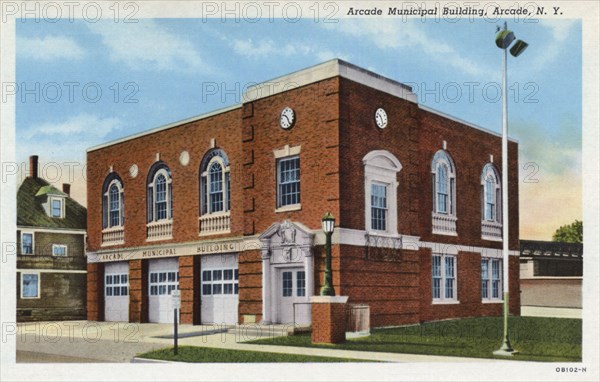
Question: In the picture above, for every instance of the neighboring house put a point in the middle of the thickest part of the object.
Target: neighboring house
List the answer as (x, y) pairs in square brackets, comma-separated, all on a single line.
[(227, 208), (51, 265), (551, 278)]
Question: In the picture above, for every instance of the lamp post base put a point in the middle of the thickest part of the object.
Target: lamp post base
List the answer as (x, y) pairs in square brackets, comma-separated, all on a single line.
[(506, 350)]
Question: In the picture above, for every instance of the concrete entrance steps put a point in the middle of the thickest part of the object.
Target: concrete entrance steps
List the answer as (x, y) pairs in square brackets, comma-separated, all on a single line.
[(249, 332)]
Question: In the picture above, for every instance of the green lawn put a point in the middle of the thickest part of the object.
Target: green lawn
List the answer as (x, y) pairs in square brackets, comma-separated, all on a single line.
[(536, 339), (212, 355)]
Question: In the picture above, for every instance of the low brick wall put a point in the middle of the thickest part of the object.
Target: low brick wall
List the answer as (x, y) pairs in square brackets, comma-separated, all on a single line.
[(328, 319), (557, 292)]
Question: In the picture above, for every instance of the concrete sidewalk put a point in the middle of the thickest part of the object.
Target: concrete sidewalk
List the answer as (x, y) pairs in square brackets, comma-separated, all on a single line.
[(121, 342)]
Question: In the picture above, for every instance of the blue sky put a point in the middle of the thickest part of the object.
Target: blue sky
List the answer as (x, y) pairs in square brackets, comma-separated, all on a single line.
[(166, 66)]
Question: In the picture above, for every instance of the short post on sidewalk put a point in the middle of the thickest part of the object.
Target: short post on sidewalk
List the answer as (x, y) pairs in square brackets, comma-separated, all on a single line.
[(176, 302)]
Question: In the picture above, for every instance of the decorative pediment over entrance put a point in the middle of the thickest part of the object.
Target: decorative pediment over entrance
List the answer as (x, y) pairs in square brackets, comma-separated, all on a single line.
[(286, 242)]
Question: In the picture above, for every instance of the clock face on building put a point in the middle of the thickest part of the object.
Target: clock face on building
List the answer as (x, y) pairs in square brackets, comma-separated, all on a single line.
[(381, 118), (287, 118)]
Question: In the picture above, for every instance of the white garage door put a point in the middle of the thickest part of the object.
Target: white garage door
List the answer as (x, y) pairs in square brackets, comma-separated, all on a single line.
[(116, 292), (163, 276), (219, 289)]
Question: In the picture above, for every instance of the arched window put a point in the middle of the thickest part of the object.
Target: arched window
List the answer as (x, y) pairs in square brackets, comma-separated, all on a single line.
[(444, 176), (159, 195), (112, 202), (443, 180), (491, 199), (214, 183), (381, 185)]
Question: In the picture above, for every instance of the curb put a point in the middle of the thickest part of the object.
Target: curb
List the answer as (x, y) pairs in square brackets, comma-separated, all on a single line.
[(149, 360)]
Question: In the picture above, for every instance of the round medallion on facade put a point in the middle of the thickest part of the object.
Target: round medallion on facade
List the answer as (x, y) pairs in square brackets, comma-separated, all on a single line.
[(133, 170), (287, 118), (381, 118), (184, 158)]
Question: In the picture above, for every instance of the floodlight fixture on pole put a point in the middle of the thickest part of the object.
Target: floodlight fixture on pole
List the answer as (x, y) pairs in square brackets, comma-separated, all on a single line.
[(504, 39), (328, 224)]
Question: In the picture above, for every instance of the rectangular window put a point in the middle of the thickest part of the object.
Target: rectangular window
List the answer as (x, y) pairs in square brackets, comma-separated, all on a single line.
[(443, 278), (56, 208), (163, 283), (485, 280), (378, 207), (491, 282), (116, 284), (59, 250), (219, 281), (30, 285), (300, 284), (26, 243), (288, 181), (286, 278)]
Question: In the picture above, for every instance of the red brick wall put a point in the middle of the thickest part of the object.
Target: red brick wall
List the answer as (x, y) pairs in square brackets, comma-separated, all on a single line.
[(390, 288), (328, 323), (138, 290), (95, 292), (359, 136), (316, 130), (187, 285), (470, 149), (193, 137), (414, 135), (250, 284)]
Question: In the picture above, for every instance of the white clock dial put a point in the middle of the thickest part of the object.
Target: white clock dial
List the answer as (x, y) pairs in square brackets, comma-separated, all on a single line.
[(287, 118), (381, 118)]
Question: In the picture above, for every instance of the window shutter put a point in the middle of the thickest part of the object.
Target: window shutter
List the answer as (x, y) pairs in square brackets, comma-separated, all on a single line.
[(227, 192), (203, 192), (122, 209), (150, 205), (170, 200), (482, 202), (104, 211)]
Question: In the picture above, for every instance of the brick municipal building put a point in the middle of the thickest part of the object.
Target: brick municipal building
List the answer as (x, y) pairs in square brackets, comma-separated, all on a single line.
[(227, 208)]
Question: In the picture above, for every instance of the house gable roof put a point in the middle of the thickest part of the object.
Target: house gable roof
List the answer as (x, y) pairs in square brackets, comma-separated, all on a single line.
[(30, 212)]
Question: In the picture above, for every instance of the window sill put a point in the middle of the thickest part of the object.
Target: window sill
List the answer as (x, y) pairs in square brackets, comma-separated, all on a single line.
[(490, 301), (445, 302), (292, 207), (110, 243), (444, 233), (491, 238), (159, 238)]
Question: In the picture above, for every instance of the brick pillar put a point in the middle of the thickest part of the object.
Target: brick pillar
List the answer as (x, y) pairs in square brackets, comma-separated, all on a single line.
[(328, 319), (138, 291), (95, 291), (186, 285)]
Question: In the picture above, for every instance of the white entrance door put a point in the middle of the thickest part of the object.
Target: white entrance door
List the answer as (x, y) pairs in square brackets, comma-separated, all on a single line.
[(291, 285), (116, 292), (163, 279), (219, 289)]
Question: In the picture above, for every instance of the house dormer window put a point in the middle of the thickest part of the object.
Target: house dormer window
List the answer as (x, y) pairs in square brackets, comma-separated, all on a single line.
[(57, 207)]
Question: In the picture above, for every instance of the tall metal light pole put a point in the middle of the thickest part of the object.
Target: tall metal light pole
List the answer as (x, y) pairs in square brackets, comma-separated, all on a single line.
[(504, 38), (328, 223)]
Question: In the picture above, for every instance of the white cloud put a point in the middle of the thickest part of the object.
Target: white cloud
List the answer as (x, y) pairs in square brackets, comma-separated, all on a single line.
[(82, 125), (147, 45), (267, 47), (388, 34), (560, 30), (49, 48)]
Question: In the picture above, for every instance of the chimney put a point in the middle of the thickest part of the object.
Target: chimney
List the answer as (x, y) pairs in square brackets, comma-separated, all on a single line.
[(67, 189), (33, 166)]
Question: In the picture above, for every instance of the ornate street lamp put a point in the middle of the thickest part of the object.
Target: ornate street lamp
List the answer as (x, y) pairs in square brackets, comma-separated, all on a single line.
[(328, 223), (504, 38)]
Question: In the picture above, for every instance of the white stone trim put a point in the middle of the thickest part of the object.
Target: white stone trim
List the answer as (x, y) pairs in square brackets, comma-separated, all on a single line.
[(51, 271), (53, 230), (291, 207), (287, 151), (329, 299), (323, 71)]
